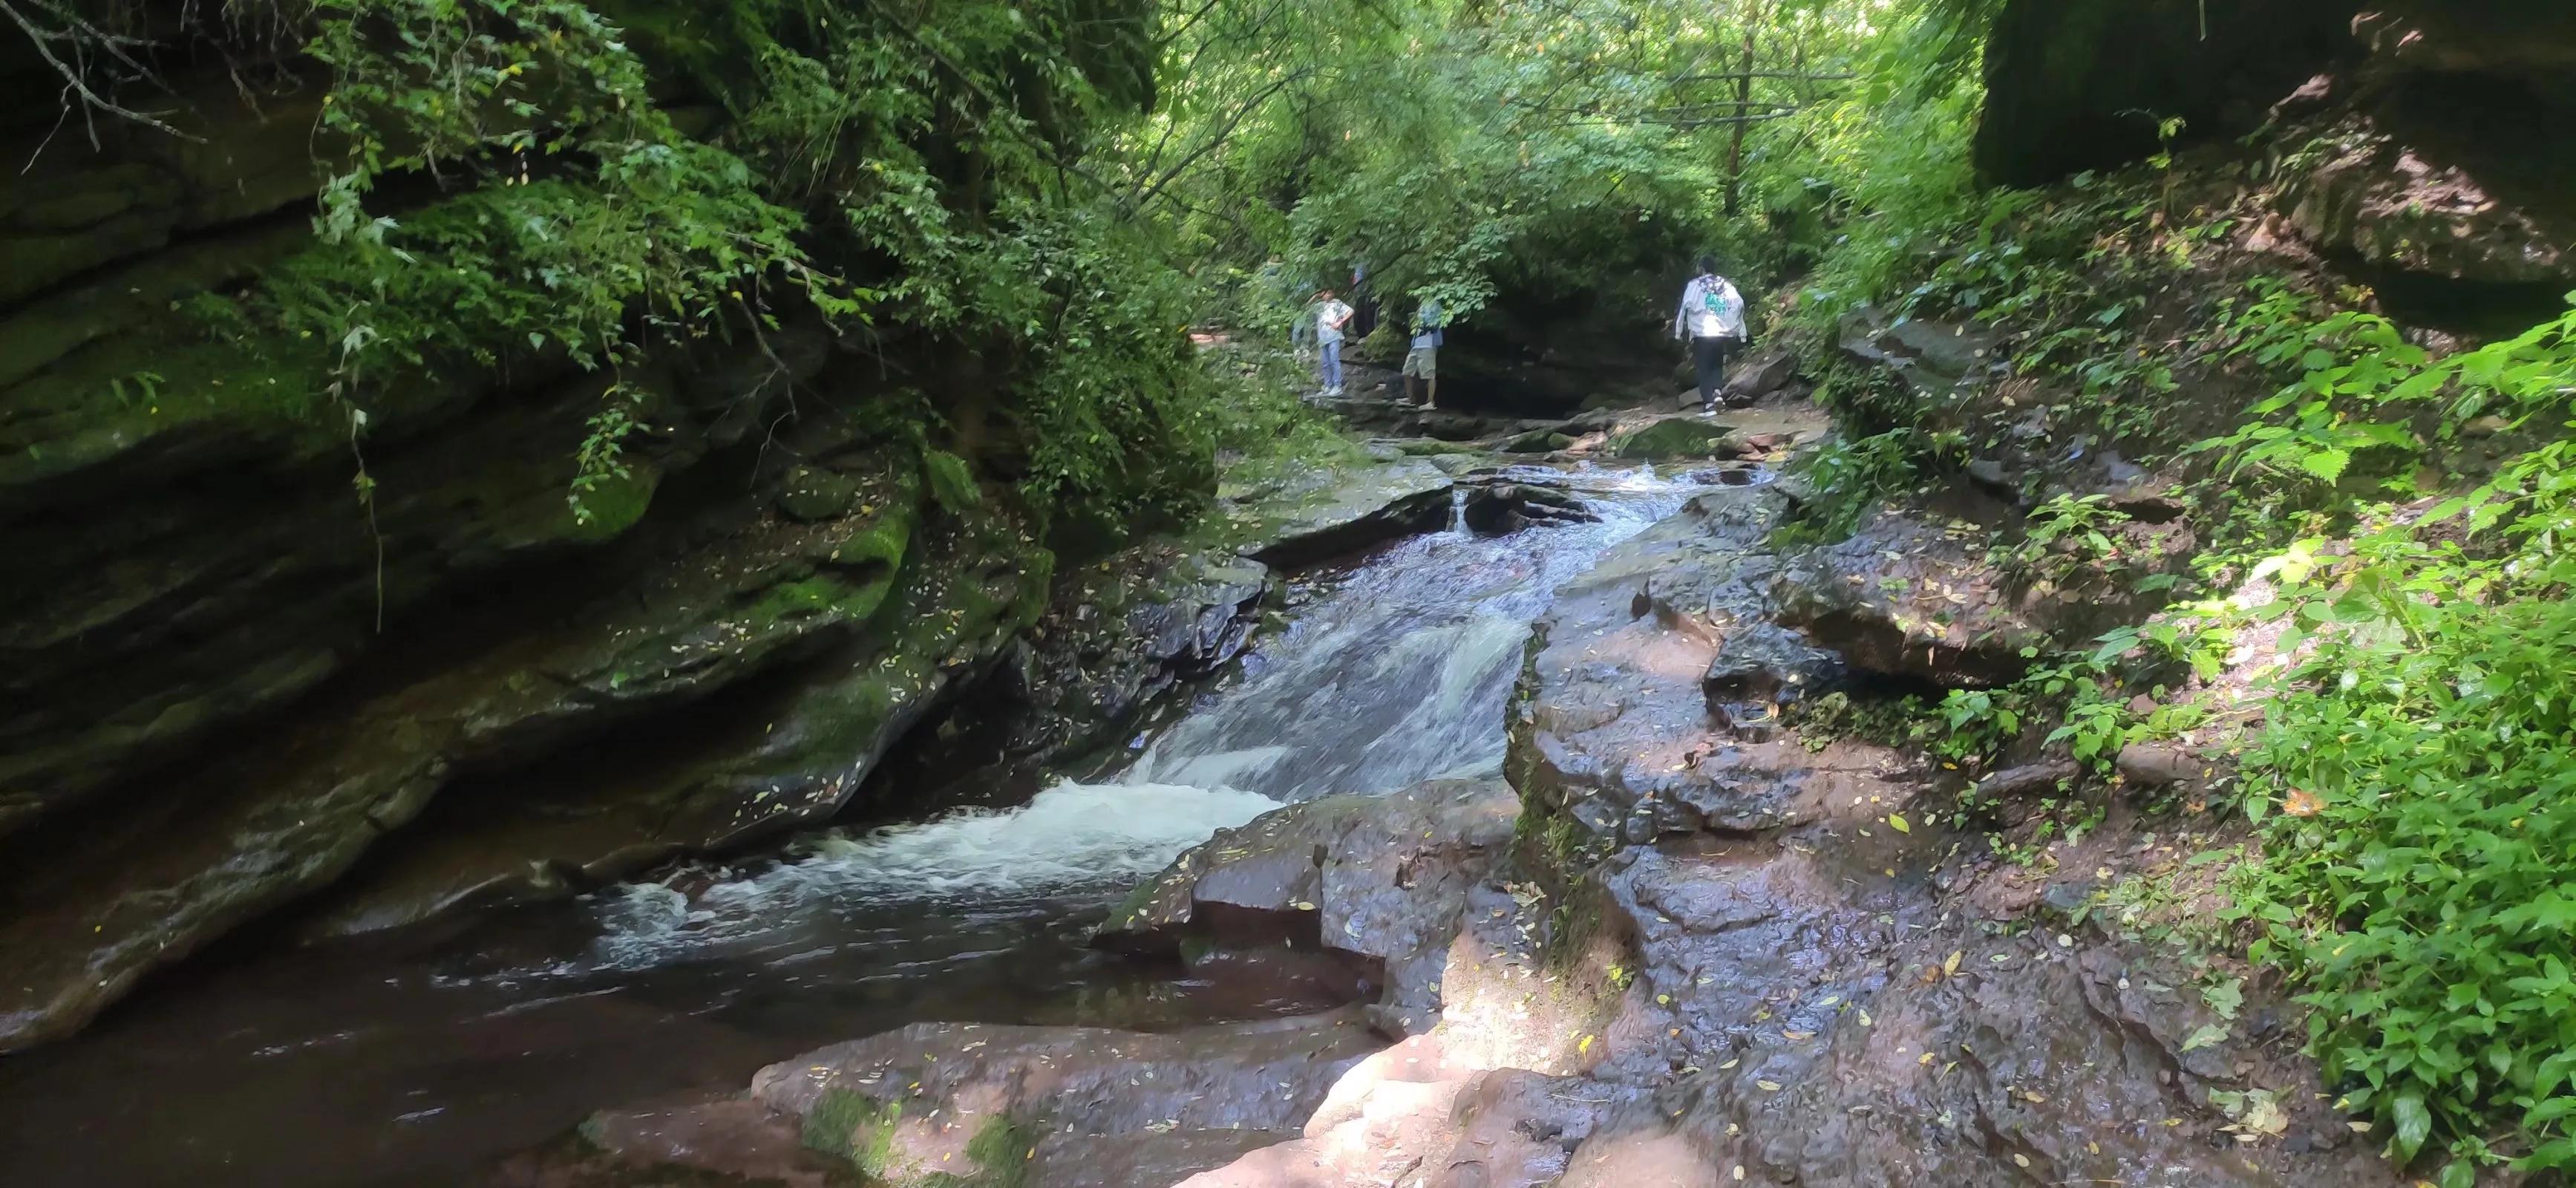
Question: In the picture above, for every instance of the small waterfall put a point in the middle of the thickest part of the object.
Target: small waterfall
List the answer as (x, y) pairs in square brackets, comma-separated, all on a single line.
[(1401, 672), (1458, 509), (1071, 835), (1392, 672)]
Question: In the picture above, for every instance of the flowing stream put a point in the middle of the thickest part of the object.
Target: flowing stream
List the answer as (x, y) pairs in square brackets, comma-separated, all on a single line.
[(412, 1061)]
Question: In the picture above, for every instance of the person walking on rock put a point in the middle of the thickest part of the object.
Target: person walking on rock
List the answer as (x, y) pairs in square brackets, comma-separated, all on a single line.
[(1712, 315), (1422, 359), (1330, 316)]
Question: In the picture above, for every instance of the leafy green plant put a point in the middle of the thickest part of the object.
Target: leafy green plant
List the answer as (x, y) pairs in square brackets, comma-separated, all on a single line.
[(2413, 768), (1850, 475), (2066, 534), (595, 207), (601, 458)]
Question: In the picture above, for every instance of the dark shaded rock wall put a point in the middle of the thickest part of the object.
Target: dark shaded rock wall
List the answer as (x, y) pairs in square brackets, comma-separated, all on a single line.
[(226, 678), (2081, 84)]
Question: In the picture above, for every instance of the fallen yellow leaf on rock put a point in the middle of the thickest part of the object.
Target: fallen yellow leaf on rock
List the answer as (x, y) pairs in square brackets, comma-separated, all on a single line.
[(1767, 1086)]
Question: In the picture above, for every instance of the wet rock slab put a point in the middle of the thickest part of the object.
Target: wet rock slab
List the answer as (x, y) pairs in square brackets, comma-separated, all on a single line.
[(2029, 1064), (1119, 636), (1613, 727), (1801, 999), (1333, 511), (1046, 1107), (1380, 880), (1497, 1093), (1911, 593)]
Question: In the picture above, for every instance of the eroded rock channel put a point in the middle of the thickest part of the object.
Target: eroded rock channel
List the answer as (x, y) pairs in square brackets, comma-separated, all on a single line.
[(1639, 930), (419, 1054)]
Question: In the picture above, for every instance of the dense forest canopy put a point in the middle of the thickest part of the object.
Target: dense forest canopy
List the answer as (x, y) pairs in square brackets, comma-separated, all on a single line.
[(1012, 213), (1035, 197)]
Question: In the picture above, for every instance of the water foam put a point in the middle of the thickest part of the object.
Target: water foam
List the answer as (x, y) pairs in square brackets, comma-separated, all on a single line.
[(1070, 838), (1070, 834)]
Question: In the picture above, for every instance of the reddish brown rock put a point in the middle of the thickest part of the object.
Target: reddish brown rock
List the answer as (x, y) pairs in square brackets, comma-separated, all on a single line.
[(1912, 594), (1379, 879)]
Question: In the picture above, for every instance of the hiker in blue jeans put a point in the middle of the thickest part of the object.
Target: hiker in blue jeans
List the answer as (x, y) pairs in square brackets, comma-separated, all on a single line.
[(1330, 316)]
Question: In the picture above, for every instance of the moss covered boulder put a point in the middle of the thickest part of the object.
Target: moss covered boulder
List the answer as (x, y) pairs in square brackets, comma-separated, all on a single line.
[(1678, 437), (1538, 441), (813, 493)]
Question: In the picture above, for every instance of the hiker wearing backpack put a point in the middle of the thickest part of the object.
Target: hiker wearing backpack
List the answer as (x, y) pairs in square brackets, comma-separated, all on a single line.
[(1422, 358), (1712, 316)]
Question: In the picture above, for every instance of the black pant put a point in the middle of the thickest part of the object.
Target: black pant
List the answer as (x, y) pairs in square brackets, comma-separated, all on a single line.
[(1709, 356)]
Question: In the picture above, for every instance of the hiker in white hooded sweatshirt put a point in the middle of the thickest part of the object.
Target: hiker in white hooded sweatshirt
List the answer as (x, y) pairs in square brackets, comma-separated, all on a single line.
[(1712, 316)]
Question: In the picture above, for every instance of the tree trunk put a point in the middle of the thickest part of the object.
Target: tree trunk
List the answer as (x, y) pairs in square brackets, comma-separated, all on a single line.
[(1751, 14)]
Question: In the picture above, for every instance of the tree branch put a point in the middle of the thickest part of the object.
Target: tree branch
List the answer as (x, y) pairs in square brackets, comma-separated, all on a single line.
[(80, 35), (1146, 194)]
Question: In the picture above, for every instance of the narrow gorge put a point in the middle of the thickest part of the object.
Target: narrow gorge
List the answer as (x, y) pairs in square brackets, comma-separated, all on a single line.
[(603, 594)]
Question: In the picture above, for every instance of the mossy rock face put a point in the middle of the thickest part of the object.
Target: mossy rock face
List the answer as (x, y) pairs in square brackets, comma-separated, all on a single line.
[(962, 593), (850, 1126), (607, 511), (812, 494), (755, 596), (1678, 437), (871, 1135), (883, 514), (1539, 441)]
